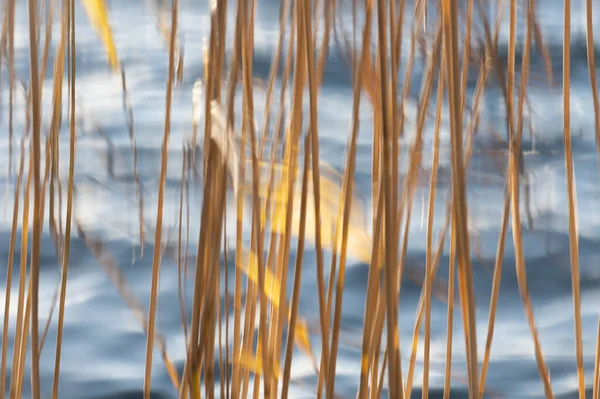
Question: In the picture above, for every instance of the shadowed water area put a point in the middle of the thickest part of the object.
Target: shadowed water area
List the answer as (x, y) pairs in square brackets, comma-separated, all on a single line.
[(103, 354)]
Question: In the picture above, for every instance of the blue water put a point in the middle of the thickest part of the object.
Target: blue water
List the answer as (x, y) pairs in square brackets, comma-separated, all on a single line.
[(103, 354)]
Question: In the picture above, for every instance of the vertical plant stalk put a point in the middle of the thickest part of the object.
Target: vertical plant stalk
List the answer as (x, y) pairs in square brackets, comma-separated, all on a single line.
[(289, 347), (20, 330), (69, 8), (128, 109), (304, 34), (589, 36), (372, 284), (9, 271), (247, 57), (514, 171), (10, 19), (430, 217), (572, 194), (54, 153), (38, 212), (596, 386), (281, 263), (507, 201), (346, 206), (390, 189), (22, 353), (159, 211), (459, 198), (450, 318), (182, 264), (237, 296)]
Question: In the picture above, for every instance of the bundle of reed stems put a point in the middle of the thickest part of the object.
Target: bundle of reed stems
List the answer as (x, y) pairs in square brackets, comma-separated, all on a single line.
[(276, 176)]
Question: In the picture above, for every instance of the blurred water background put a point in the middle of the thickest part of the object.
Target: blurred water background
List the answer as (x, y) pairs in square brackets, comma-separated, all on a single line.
[(104, 347)]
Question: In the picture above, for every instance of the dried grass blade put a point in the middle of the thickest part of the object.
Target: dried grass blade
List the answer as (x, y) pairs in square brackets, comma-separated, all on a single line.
[(98, 15)]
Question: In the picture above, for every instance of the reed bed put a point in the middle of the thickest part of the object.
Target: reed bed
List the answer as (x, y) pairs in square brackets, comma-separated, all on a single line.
[(289, 194)]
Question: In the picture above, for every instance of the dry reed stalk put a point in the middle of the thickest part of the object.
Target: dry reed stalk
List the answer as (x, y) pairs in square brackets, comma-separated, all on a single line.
[(328, 14), (284, 10), (182, 268), (430, 215), (47, 41), (54, 300), (249, 316), (161, 17), (459, 200), (347, 189), (426, 296), (450, 318), (128, 110), (466, 55), (468, 152), (159, 211), (38, 211), (10, 8), (22, 353), (56, 232), (203, 304), (589, 42), (573, 233), (394, 70), (314, 81), (495, 290), (514, 170), (224, 368), (257, 236), (19, 330), (9, 270), (390, 188), (236, 372), (592, 71), (373, 300), (280, 265), (209, 316), (408, 195), (373, 271), (504, 225), (596, 383), (277, 261), (297, 276), (279, 315), (69, 7), (211, 65), (211, 312)]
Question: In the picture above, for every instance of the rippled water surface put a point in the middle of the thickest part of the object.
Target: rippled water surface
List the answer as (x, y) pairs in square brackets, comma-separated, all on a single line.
[(104, 346)]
